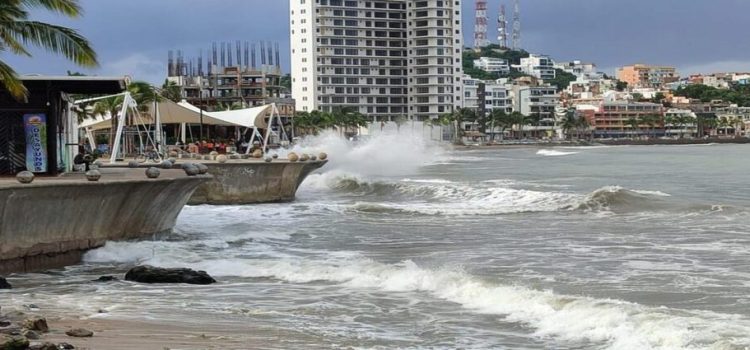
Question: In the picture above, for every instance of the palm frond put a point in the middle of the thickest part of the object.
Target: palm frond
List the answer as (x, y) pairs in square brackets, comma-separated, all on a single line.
[(70, 8), (12, 83), (57, 39)]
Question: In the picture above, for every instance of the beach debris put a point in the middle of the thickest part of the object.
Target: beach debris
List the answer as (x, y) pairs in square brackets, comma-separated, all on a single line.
[(151, 274), (221, 158), (132, 164), (42, 346), (4, 284), (36, 324), (293, 157), (13, 342), (202, 168), (25, 177), (106, 279), (93, 175), (153, 173), (323, 156), (79, 333)]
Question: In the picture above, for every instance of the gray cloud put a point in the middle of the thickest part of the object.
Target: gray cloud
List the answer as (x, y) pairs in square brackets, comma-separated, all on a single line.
[(133, 37)]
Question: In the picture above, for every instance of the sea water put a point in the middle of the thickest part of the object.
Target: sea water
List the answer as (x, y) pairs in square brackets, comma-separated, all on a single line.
[(401, 242)]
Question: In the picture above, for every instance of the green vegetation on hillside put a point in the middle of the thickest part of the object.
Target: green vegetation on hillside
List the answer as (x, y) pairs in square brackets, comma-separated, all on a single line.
[(739, 94), (562, 79), (495, 51)]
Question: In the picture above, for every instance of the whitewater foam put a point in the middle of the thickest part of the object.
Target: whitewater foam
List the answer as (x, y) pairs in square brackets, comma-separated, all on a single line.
[(613, 323), (553, 153)]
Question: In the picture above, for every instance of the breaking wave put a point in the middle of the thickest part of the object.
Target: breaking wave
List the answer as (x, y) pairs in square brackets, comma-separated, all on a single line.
[(438, 197), (553, 153), (613, 324)]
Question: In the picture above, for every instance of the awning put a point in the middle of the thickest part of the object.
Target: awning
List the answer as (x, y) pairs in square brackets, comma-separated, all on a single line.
[(183, 112)]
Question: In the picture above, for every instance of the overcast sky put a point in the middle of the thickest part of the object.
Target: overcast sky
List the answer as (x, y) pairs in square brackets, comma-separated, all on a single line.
[(132, 37)]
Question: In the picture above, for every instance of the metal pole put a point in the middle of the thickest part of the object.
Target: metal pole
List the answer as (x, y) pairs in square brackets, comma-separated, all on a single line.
[(201, 108)]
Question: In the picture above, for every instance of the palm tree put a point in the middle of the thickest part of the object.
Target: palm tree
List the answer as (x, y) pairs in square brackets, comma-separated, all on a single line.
[(111, 106), (17, 32), (171, 91), (500, 119), (634, 125), (519, 121)]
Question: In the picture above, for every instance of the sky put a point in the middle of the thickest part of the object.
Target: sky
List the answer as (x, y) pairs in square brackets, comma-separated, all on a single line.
[(132, 37)]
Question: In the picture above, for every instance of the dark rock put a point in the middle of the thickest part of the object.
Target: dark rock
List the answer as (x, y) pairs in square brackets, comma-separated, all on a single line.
[(31, 335), (36, 324), (79, 333), (65, 346), (150, 274), (13, 342), (5, 323), (106, 279), (4, 284), (42, 346)]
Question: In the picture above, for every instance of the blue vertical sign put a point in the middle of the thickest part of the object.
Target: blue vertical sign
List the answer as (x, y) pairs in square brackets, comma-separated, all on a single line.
[(35, 126)]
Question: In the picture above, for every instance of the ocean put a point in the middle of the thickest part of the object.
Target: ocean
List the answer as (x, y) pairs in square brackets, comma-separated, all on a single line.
[(401, 243)]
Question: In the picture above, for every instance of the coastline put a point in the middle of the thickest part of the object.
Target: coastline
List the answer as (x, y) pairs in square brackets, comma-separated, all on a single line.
[(624, 142)]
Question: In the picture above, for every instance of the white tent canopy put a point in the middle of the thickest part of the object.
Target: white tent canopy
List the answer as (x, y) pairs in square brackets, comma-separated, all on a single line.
[(183, 112)]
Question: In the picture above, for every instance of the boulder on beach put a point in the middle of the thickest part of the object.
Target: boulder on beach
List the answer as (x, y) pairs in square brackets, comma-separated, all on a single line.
[(65, 346), (151, 274), (79, 333), (4, 284), (42, 346), (36, 324), (13, 342)]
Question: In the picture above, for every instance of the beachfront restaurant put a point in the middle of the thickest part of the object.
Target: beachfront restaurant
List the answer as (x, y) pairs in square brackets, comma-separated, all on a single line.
[(40, 134)]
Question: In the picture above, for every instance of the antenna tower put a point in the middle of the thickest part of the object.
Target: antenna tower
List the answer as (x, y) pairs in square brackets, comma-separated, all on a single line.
[(517, 26), (502, 28), (480, 24)]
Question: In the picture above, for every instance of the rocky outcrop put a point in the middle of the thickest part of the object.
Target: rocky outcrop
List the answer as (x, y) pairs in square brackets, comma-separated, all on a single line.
[(13, 342), (151, 274), (4, 284), (36, 324)]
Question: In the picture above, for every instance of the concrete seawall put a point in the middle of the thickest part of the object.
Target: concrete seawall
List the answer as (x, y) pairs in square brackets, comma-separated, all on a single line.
[(51, 222), (249, 182)]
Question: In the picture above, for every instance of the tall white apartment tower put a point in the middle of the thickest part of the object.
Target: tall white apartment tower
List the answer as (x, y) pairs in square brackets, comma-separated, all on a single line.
[(384, 58)]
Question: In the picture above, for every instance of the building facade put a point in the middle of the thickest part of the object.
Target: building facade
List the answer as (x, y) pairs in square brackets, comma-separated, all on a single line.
[(612, 119), (492, 65), (646, 76), (538, 66), (383, 58), (580, 69)]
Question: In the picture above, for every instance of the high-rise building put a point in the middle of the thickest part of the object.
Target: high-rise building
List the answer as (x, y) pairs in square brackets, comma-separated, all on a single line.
[(383, 58)]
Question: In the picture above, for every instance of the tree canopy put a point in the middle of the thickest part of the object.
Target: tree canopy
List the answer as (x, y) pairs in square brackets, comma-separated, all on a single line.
[(738, 94), (18, 32)]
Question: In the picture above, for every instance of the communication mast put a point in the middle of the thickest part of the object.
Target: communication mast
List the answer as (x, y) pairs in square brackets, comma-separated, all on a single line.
[(480, 25), (517, 26), (502, 28)]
